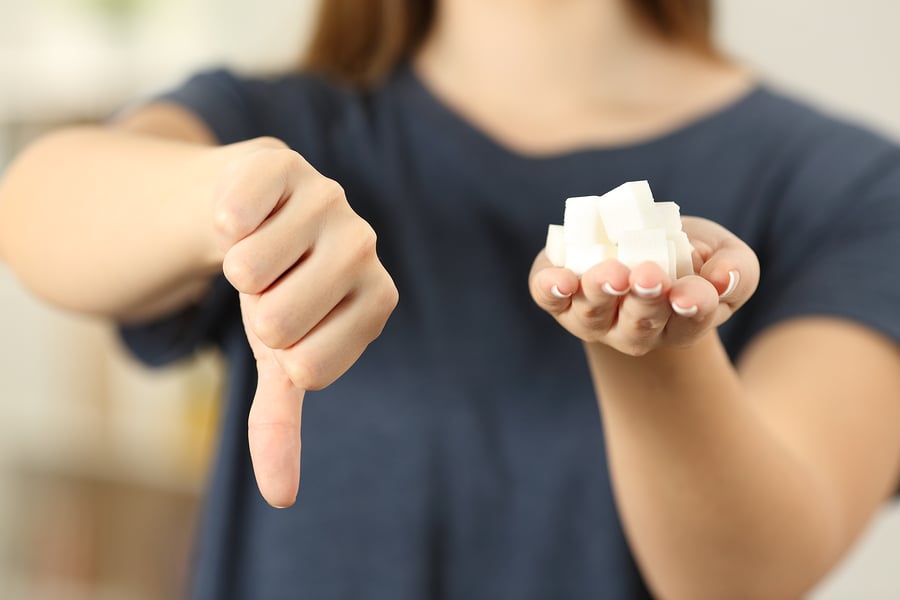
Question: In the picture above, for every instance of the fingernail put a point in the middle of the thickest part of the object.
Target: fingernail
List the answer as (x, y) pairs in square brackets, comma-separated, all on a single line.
[(609, 289), (685, 312), (645, 292), (555, 291), (733, 279)]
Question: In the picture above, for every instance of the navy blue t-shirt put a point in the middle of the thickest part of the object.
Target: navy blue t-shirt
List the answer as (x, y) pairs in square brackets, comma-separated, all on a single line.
[(462, 457)]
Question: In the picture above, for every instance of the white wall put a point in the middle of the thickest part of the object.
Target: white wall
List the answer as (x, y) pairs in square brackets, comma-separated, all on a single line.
[(845, 55)]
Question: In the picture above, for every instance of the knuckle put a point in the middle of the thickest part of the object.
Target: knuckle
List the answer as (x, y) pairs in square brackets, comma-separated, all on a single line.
[(270, 327), (268, 142), (243, 274), (592, 313), (391, 296), (226, 222), (306, 372), (262, 424), (230, 217), (386, 303), (365, 240), (333, 189), (285, 160), (329, 193), (646, 326)]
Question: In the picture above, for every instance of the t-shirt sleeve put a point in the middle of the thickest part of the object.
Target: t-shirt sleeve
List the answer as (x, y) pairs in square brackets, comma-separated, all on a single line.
[(835, 235), (173, 337), (220, 100)]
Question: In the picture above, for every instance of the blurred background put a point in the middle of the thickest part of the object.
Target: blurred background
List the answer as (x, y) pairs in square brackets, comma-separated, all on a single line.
[(102, 463)]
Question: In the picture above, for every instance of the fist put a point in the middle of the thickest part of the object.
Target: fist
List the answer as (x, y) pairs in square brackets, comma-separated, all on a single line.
[(313, 293)]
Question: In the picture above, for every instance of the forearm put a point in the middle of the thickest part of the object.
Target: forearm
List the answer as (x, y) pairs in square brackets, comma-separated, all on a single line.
[(110, 222), (715, 505)]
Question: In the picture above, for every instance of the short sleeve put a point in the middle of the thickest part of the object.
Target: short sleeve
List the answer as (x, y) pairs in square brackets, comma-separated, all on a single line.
[(835, 235), (222, 101), (179, 335)]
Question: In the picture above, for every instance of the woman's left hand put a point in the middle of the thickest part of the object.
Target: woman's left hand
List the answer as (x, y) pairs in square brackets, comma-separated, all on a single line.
[(636, 311)]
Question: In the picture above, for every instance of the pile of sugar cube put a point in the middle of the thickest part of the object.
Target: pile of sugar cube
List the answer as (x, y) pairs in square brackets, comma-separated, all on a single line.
[(625, 224)]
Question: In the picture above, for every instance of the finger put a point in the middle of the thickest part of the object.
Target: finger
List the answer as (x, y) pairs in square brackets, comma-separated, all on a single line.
[(644, 312), (273, 432), (253, 189), (255, 262), (607, 279), (734, 273), (729, 264), (291, 307), (694, 302), (273, 427), (552, 287), (734, 284), (338, 340), (602, 289)]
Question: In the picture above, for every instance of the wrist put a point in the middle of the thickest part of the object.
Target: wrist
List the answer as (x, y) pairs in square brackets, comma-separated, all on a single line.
[(211, 167), (665, 374)]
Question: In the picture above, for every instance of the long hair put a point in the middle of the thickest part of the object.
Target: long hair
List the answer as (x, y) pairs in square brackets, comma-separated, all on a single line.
[(360, 41)]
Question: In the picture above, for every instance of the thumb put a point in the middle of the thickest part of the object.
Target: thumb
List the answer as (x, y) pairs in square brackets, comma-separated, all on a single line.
[(273, 428), (273, 431)]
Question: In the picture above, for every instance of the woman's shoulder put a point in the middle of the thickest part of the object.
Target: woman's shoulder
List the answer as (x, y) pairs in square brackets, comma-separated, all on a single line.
[(805, 123), (296, 106), (267, 91)]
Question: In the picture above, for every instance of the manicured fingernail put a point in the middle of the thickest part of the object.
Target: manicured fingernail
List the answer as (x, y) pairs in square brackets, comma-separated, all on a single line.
[(555, 291), (609, 289), (645, 292), (733, 279), (685, 312)]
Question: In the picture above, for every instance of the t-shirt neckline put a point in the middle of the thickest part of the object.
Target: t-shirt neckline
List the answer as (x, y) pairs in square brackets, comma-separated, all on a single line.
[(450, 123)]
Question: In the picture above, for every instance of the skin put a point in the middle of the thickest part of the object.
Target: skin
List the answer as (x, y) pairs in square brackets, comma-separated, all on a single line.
[(728, 477), (255, 210)]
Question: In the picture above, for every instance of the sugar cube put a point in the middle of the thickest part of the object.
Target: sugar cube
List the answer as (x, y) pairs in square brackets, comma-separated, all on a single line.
[(638, 246), (556, 245), (581, 258), (624, 223)]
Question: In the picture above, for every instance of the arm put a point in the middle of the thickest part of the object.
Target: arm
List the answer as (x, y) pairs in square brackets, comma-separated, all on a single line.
[(733, 481), (134, 222), (115, 221), (751, 483)]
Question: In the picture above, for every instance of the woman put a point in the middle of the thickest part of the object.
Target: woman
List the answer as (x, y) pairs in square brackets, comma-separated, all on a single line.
[(735, 453)]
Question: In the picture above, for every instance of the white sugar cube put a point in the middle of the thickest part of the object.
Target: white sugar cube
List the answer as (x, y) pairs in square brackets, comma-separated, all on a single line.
[(624, 223), (556, 245), (646, 245), (581, 222), (580, 259), (684, 262), (668, 216), (673, 263), (628, 207)]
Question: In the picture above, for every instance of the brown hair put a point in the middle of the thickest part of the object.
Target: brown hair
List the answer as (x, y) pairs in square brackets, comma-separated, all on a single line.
[(360, 41)]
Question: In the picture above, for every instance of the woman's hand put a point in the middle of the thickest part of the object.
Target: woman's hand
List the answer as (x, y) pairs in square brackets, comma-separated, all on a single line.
[(313, 293), (639, 310)]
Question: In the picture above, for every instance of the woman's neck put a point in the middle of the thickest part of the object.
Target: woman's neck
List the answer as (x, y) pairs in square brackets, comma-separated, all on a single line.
[(545, 76)]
